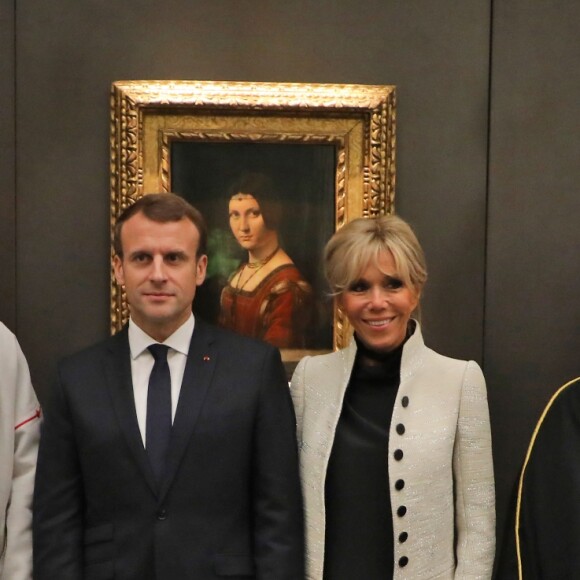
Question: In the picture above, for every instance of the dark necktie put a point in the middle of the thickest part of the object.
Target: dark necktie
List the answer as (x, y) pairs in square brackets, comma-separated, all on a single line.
[(158, 425)]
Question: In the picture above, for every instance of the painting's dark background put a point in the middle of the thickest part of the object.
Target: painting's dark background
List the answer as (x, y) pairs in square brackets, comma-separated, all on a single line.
[(302, 181), (488, 145)]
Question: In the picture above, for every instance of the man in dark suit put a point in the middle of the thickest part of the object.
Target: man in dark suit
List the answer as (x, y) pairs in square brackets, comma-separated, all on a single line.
[(171, 463)]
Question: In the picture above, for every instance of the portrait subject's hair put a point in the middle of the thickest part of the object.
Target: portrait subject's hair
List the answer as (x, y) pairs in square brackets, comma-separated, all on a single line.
[(261, 187), (360, 243), (162, 208)]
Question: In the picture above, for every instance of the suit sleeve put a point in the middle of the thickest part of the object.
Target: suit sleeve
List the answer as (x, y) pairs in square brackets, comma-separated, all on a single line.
[(58, 496), (17, 559), (544, 522), (278, 529), (287, 313), (474, 482), (297, 387)]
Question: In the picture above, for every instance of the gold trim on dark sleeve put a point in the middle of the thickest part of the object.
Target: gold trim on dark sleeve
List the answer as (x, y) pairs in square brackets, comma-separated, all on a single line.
[(521, 481)]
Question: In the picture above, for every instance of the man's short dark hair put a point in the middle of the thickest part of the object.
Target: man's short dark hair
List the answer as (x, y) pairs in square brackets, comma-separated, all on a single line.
[(162, 208)]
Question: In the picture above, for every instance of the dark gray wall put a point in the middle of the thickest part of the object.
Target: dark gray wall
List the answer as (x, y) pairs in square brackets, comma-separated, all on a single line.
[(501, 244), (532, 322), (68, 55), (7, 175)]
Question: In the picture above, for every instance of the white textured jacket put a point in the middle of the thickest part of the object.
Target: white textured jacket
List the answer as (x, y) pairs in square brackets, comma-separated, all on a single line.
[(442, 452), (19, 434)]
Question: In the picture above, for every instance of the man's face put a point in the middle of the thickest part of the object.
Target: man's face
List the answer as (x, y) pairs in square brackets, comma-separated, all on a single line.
[(160, 272)]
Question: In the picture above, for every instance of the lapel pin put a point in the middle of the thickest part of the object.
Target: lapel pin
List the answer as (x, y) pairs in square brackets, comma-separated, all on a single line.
[(205, 357)]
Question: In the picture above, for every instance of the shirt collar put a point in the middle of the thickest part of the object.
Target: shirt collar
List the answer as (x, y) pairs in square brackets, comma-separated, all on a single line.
[(139, 340)]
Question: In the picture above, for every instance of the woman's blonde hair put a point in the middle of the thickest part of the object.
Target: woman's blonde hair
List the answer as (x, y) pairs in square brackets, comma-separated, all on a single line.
[(360, 243)]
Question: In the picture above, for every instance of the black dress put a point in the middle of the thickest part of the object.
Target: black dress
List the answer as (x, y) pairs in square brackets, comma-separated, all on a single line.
[(359, 527)]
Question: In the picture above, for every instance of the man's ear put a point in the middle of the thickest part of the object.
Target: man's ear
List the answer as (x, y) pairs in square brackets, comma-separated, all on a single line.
[(201, 270), (118, 270)]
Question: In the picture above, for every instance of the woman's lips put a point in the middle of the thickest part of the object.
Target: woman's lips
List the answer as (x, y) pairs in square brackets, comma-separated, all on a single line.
[(379, 323)]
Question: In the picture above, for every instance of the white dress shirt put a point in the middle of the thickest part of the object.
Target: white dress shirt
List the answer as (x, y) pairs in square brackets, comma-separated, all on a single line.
[(142, 364)]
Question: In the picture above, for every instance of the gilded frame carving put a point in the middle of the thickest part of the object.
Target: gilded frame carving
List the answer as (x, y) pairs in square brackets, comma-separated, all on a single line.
[(357, 120)]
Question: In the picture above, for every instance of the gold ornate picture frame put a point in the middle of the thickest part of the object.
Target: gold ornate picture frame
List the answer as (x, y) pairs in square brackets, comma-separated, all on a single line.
[(331, 147)]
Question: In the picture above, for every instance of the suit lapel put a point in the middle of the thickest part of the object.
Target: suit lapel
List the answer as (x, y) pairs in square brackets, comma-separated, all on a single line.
[(199, 369), (118, 373)]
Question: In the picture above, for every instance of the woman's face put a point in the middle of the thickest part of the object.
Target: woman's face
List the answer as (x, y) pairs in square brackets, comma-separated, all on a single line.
[(379, 305), (247, 222)]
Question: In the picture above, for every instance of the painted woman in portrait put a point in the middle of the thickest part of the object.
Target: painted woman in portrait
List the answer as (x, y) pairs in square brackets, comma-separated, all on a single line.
[(266, 297)]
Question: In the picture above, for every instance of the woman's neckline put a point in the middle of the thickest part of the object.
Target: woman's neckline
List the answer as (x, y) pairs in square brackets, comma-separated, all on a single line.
[(370, 357), (244, 292)]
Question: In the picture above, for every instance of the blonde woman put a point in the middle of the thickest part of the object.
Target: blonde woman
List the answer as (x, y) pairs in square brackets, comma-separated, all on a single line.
[(395, 440)]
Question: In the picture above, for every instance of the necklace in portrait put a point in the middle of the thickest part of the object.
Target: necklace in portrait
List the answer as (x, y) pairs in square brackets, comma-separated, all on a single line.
[(256, 267)]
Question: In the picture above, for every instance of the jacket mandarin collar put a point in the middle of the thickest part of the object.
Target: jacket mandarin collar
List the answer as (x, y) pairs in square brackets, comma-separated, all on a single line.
[(410, 360)]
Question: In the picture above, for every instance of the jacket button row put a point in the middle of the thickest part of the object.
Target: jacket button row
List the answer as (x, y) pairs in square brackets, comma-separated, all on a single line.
[(400, 484), (162, 515)]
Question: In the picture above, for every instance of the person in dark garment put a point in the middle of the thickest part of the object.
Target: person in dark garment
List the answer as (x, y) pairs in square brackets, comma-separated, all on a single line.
[(395, 442), (542, 541)]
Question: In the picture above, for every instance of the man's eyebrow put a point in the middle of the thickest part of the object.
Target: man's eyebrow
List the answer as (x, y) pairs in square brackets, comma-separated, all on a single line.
[(180, 253), (139, 253)]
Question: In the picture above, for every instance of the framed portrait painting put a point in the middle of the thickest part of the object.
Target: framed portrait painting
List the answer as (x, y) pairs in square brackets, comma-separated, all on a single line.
[(282, 162)]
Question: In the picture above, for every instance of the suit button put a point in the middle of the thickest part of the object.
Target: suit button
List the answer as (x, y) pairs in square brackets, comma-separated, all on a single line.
[(403, 537), (401, 511), (403, 561), (399, 484), (398, 454), (405, 401), (400, 428), (162, 514)]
